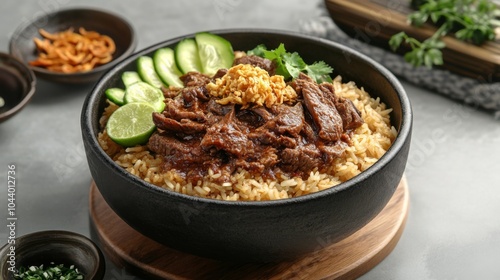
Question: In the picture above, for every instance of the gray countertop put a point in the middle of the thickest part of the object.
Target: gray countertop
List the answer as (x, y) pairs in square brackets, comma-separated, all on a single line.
[(453, 172)]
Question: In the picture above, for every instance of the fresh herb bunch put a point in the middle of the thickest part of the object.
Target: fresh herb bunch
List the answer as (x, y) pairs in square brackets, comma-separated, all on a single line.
[(59, 272), (289, 65), (472, 21)]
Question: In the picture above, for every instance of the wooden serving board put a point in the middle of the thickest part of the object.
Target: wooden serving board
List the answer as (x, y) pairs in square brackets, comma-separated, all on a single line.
[(375, 21), (347, 259)]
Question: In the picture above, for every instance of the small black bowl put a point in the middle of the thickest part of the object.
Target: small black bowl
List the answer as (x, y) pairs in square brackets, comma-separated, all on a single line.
[(121, 31), (57, 247), (259, 230), (17, 86)]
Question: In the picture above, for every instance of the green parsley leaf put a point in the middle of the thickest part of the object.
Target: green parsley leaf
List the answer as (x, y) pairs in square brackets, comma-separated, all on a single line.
[(290, 65), (320, 72), (472, 21), (277, 55), (258, 51), (396, 40), (294, 64)]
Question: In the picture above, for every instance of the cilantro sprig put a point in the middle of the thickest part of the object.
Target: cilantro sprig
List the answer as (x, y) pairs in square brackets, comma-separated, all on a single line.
[(472, 21), (290, 65), (427, 52)]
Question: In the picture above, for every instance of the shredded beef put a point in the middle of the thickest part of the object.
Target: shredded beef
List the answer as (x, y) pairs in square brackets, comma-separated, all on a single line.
[(321, 106), (220, 73), (185, 126), (228, 136), (303, 158), (177, 110), (218, 109), (257, 61), (288, 120), (195, 133), (170, 92), (178, 153), (191, 79), (351, 117)]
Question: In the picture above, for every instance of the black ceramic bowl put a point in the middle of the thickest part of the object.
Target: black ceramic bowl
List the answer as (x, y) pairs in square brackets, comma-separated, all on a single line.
[(59, 247), (17, 86), (23, 47), (265, 230)]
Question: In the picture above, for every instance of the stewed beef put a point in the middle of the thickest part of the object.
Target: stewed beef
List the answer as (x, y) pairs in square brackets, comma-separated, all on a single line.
[(186, 126), (288, 120), (351, 117), (257, 61), (178, 153), (304, 158), (228, 136), (192, 79), (178, 109), (195, 133), (321, 106)]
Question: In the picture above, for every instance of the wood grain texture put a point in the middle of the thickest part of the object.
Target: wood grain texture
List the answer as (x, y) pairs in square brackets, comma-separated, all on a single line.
[(347, 259), (375, 21)]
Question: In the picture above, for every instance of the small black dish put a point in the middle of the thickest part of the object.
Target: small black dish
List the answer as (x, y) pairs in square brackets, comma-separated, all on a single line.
[(17, 86), (121, 31), (57, 247)]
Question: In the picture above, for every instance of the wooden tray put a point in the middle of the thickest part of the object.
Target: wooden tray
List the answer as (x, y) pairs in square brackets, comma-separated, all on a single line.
[(347, 259), (375, 21)]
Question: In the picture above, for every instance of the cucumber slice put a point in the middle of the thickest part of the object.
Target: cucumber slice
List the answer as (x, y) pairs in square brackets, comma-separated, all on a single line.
[(186, 56), (164, 62), (130, 77), (214, 51), (147, 71), (116, 95)]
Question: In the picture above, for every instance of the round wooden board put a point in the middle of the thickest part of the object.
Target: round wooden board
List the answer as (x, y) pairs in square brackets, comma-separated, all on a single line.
[(347, 259)]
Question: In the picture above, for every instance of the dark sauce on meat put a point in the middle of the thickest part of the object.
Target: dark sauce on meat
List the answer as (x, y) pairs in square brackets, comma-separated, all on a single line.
[(196, 134)]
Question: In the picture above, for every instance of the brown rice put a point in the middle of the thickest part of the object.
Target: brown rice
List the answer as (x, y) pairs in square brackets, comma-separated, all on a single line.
[(369, 142)]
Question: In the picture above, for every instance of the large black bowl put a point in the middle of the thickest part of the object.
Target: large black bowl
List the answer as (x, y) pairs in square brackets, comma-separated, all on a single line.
[(266, 230)]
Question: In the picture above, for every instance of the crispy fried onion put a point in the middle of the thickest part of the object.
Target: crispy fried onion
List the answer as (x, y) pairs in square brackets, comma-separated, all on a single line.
[(70, 52)]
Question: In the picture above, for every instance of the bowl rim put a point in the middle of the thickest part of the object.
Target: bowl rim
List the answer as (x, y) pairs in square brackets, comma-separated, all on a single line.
[(403, 133), (128, 51), (31, 83)]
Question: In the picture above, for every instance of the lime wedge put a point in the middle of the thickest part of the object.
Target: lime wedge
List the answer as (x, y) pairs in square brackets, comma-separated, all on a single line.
[(131, 124), (116, 95), (144, 92)]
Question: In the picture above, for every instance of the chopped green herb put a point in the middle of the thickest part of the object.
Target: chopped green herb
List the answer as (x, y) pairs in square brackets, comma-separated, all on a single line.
[(290, 65), (472, 21), (258, 51), (59, 272), (426, 53)]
